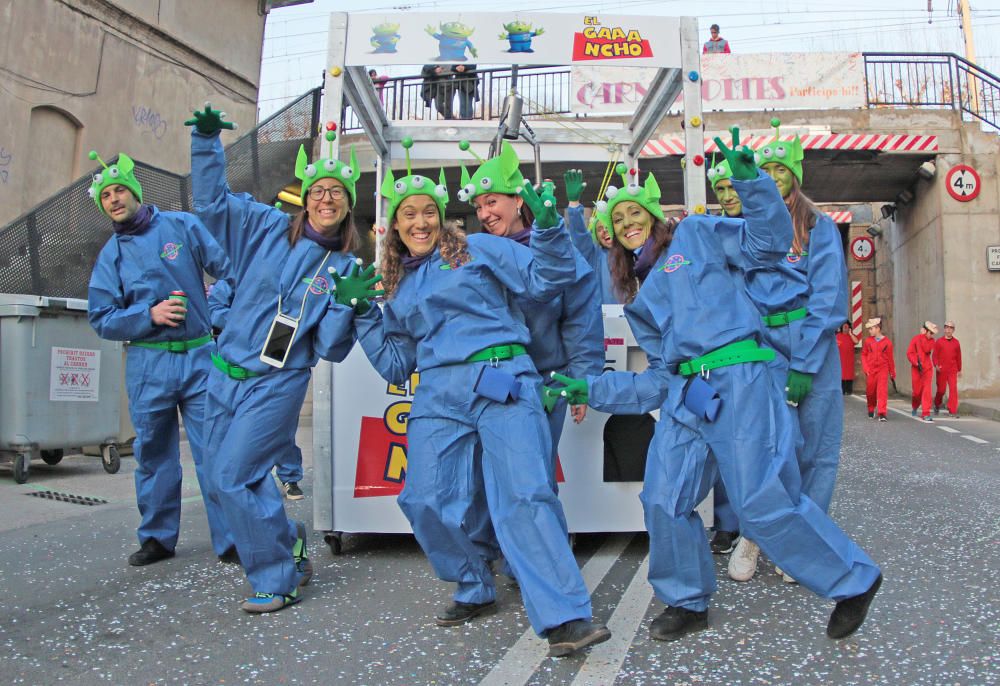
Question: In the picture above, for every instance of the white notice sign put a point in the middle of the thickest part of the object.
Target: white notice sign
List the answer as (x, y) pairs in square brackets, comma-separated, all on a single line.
[(75, 375)]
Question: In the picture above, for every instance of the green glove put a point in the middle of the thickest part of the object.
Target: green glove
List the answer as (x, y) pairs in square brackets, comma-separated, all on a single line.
[(542, 206), (741, 161), (574, 184), (798, 386), (209, 121), (575, 391), (549, 400), (355, 289)]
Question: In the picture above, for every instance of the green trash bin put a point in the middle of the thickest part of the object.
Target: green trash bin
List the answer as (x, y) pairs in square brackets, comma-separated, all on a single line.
[(62, 385)]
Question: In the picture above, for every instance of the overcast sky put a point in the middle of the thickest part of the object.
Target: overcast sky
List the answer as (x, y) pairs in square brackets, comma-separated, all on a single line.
[(295, 37)]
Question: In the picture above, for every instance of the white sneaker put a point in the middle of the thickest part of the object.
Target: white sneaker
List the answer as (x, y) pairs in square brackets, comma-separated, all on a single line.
[(743, 561)]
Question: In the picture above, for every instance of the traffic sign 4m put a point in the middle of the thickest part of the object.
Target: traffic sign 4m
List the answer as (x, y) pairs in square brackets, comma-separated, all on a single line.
[(963, 183)]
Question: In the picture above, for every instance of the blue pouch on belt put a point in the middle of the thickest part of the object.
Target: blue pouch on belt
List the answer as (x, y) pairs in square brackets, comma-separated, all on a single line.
[(498, 385), (701, 399)]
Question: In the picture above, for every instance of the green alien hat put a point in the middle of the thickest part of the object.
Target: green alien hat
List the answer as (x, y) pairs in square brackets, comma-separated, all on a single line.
[(592, 226), (413, 184), (121, 172), (719, 172), (786, 153), (501, 174), (647, 195), (327, 168)]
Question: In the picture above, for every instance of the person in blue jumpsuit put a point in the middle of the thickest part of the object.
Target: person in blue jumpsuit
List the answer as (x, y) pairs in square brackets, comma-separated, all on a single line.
[(802, 301), (151, 255), (567, 331), (721, 412), (594, 241), (727, 526), (449, 313), (288, 466), (280, 265)]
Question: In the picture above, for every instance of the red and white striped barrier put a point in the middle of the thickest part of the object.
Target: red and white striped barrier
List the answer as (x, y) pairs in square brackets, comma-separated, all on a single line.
[(841, 217), (896, 143), (856, 308)]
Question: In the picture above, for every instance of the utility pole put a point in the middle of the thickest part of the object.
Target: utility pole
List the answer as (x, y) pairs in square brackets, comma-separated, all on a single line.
[(965, 15)]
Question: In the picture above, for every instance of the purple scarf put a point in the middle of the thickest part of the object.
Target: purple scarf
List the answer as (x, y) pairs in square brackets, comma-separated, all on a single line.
[(410, 262), (136, 224), (523, 237), (646, 259), (333, 243)]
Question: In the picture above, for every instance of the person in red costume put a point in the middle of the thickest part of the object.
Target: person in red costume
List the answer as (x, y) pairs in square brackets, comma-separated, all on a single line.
[(878, 366), (845, 344), (948, 362), (919, 353)]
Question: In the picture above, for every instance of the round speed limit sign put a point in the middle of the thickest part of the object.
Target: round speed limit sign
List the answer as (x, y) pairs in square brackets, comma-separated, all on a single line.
[(963, 183)]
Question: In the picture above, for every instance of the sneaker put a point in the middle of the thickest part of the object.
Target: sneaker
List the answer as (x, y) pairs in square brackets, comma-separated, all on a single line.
[(743, 561), (292, 490), (871, 415), (883, 418), (676, 621), (784, 577), (913, 412), (299, 554), (927, 419), (459, 613), (937, 410), (230, 557), (952, 416), (149, 552), (260, 603), (577, 634), (723, 542), (850, 613)]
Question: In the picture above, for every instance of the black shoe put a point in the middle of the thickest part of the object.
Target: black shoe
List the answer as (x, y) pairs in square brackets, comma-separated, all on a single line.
[(850, 613), (871, 415), (675, 622), (292, 491), (230, 557), (724, 541), (460, 613), (151, 551), (569, 637), (883, 418)]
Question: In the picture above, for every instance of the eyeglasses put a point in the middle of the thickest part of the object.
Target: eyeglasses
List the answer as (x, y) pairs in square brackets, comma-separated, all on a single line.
[(336, 193)]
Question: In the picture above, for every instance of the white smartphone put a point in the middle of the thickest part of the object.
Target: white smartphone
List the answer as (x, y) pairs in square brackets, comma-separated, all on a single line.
[(279, 340)]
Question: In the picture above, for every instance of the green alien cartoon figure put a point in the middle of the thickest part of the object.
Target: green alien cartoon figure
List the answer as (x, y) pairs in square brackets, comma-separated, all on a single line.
[(453, 39), (519, 35), (384, 37)]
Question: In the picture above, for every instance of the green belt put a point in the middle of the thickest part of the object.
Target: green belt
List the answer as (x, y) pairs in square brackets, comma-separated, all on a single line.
[(727, 355), (784, 318), (233, 371), (497, 353), (174, 346)]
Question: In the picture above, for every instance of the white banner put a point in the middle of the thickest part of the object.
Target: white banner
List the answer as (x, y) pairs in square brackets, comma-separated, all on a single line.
[(512, 38), (75, 375), (732, 83)]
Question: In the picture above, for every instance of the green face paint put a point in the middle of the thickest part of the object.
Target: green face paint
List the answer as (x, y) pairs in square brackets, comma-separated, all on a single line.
[(782, 176), (728, 198)]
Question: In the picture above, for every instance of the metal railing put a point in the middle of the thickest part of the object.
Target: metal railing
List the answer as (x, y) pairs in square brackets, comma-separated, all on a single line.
[(937, 79), (50, 250), (546, 90)]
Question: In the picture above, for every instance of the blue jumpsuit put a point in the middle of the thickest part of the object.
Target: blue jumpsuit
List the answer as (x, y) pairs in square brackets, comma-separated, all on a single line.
[(595, 254), (816, 280), (693, 302), (567, 336), (438, 318), (132, 274), (251, 421), (288, 465)]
